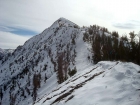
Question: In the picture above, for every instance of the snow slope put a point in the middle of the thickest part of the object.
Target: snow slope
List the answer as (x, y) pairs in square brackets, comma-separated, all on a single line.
[(106, 83), (1, 53), (40, 57), (5, 52), (31, 74), (83, 50)]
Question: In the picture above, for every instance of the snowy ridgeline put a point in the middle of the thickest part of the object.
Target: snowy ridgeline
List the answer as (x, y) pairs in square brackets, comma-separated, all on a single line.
[(58, 48), (5, 53), (41, 72), (106, 83)]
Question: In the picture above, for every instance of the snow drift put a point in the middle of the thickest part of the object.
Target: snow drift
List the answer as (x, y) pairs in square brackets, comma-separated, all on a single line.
[(106, 83)]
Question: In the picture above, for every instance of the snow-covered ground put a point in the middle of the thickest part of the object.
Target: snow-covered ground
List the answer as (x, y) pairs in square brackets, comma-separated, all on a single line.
[(39, 55), (83, 50), (5, 52), (106, 83)]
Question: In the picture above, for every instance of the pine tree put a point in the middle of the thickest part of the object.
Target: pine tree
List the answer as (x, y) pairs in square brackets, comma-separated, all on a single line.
[(96, 49), (60, 74)]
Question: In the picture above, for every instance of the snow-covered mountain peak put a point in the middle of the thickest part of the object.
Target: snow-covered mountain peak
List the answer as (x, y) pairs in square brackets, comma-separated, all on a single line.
[(62, 22), (52, 68), (55, 53)]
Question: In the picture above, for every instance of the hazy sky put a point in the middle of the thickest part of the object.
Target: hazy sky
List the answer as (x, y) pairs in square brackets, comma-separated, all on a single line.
[(21, 19)]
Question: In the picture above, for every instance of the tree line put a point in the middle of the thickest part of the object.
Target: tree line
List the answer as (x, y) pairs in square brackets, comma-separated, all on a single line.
[(110, 46)]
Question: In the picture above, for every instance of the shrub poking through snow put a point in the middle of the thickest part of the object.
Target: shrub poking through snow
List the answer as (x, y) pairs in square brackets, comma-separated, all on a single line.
[(72, 72)]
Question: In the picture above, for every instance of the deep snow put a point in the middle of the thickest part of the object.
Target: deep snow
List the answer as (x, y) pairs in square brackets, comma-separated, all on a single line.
[(118, 85)]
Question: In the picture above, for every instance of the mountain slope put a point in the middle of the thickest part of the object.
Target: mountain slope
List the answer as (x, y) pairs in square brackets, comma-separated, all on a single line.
[(5, 52), (1, 53), (107, 83), (58, 64), (51, 54)]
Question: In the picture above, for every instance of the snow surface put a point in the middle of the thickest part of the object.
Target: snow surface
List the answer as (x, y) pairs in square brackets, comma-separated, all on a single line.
[(106, 83), (40, 50), (4, 53), (83, 51), (118, 85)]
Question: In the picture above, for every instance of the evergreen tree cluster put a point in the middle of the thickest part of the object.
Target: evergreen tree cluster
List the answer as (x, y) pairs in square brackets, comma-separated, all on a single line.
[(36, 84), (62, 68), (72, 72), (109, 46)]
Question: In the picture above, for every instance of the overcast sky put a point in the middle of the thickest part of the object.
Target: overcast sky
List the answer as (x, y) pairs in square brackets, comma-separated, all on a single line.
[(21, 19)]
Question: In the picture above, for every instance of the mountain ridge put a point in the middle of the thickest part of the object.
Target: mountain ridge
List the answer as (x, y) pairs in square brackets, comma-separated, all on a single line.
[(40, 57), (61, 55), (92, 86)]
